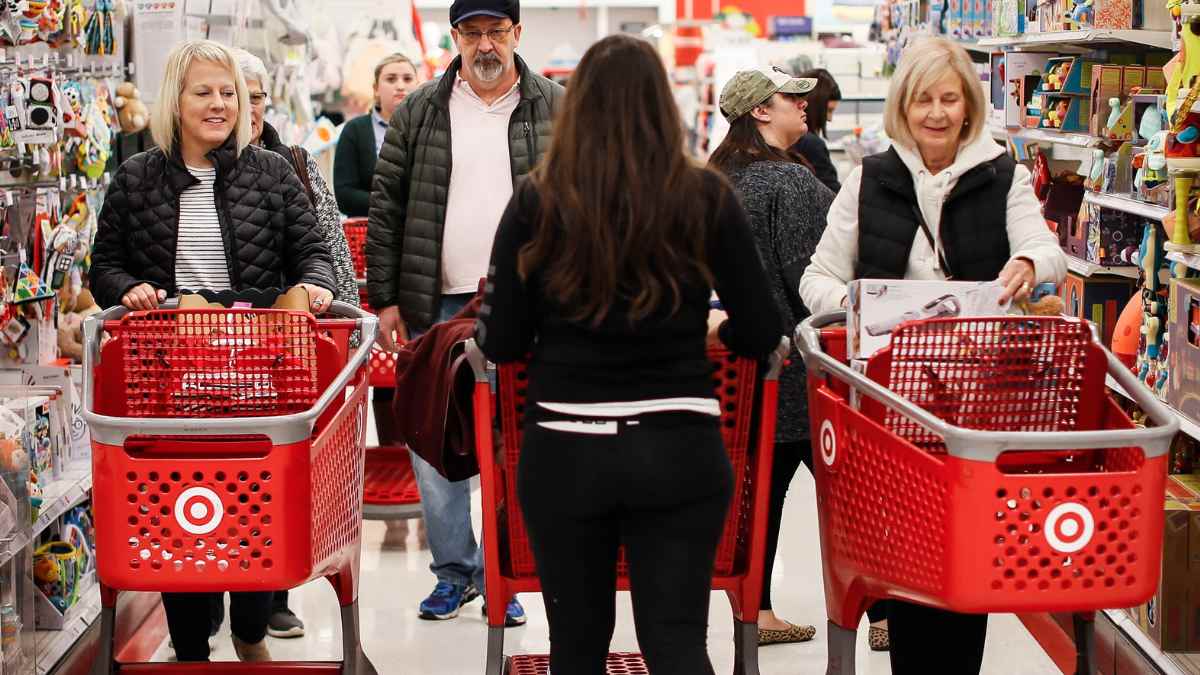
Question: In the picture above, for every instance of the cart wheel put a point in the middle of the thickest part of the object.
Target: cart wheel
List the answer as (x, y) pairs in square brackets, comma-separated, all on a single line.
[(842, 642), (1085, 643)]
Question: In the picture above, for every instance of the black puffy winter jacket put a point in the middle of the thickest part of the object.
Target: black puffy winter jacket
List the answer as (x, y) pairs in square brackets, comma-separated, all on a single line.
[(270, 231)]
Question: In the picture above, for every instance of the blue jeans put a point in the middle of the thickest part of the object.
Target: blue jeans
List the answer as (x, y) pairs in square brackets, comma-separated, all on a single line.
[(446, 505)]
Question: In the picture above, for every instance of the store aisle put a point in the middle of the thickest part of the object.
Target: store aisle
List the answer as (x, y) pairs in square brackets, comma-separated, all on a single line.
[(394, 582)]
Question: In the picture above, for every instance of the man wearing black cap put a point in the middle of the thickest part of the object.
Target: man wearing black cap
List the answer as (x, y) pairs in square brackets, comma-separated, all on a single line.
[(453, 150)]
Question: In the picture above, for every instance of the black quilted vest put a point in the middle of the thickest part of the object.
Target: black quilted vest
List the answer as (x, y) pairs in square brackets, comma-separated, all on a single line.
[(974, 230)]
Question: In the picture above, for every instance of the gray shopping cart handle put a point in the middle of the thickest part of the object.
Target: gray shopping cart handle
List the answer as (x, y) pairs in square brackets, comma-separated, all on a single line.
[(988, 445), (281, 429)]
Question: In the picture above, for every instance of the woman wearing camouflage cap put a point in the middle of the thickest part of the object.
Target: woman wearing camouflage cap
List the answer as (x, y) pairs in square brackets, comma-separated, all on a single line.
[(786, 204)]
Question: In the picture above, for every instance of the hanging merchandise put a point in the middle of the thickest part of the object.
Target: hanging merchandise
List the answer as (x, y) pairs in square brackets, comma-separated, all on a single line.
[(99, 29)]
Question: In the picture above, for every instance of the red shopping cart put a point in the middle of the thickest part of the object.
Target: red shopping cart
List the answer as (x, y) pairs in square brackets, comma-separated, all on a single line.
[(227, 456), (748, 427), (984, 471), (390, 487)]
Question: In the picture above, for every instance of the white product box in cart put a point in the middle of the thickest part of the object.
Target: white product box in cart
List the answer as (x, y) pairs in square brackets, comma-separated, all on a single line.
[(876, 306)]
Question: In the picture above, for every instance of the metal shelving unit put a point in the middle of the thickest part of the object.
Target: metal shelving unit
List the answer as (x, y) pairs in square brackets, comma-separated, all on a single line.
[(1127, 205), (1090, 38), (1048, 136), (1087, 269)]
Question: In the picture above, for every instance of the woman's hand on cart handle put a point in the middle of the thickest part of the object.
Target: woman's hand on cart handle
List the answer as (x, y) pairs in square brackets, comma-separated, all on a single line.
[(1018, 280), (319, 299), (391, 322), (716, 317), (143, 297)]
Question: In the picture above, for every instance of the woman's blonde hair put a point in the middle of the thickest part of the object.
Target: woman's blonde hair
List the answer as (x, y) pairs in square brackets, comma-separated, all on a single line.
[(921, 66), (164, 124)]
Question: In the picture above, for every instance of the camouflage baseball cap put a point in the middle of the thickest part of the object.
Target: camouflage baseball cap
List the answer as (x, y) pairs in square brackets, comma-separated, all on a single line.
[(751, 87)]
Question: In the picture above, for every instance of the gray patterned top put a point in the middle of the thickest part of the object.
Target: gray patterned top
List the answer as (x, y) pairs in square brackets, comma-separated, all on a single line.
[(787, 207), (329, 221)]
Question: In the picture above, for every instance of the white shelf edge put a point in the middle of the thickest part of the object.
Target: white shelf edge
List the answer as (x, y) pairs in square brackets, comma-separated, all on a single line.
[(1186, 425), (1150, 38), (1087, 269), (63, 494), (1071, 138), (1192, 260), (1127, 205), (1144, 644), (58, 642)]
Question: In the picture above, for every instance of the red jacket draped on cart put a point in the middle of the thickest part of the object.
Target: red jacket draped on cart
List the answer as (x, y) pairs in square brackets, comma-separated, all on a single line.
[(434, 384)]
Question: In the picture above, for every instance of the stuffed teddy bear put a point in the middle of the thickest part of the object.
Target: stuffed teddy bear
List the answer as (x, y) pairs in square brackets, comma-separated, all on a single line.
[(132, 112), (70, 325)]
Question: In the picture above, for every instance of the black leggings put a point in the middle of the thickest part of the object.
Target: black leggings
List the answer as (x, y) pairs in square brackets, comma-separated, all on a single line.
[(659, 484), (190, 619), (927, 640), (789, 455)]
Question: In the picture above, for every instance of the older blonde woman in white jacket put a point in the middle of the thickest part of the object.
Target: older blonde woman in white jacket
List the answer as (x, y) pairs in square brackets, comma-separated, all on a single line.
[(945, 202)]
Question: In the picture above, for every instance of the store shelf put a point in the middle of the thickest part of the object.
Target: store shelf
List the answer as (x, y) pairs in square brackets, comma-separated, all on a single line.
[(52, 645), (1192, 260), (1087, 269), (60, 496), (1127, 205), (1167, 664), (1186, 425), (1048, 136), (1149, 38)]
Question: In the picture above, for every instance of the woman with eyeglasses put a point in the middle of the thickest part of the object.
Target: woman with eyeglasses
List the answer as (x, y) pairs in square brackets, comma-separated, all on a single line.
[(284, 623)]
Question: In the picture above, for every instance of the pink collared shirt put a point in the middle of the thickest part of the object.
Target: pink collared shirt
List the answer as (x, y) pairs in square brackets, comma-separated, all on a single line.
[(480, 183)]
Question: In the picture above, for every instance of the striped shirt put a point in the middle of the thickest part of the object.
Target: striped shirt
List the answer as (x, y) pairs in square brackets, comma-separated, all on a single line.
[(200, 251)]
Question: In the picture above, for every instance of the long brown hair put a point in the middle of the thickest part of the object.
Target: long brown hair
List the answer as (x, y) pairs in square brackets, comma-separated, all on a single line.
[(623, 214), (827, 90), (745, 145)]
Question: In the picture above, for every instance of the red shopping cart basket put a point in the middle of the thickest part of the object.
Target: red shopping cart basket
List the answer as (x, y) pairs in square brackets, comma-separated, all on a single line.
[(748, 428), (985, 470), (227, 456), (390, 487)]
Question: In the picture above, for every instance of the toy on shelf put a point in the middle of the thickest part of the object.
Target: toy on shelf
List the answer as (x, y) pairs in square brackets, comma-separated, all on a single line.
[(1151, 357), (1081, 15)]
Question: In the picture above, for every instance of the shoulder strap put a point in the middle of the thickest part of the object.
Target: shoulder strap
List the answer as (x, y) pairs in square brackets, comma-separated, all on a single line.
[(300, 162)]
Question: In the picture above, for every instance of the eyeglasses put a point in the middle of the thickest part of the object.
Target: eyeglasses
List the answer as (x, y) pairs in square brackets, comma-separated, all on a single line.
[(496, 35), (260, 98)]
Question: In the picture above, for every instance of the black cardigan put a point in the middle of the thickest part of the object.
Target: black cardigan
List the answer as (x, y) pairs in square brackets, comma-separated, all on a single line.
[(354, 166)]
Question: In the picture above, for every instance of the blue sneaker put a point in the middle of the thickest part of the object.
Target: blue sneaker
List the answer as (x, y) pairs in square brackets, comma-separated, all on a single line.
[(514, 613), (446, 599)]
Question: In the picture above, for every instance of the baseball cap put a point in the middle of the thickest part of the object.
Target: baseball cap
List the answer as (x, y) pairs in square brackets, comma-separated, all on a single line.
[(462, 10), (749, 88)]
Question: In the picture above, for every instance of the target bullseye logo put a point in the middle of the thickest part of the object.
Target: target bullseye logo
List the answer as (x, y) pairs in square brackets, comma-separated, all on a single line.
[(198, 510), (828, 443), (1069, 527)]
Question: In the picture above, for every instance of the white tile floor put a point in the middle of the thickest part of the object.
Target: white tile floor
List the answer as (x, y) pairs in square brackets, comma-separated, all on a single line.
[(394, 582)]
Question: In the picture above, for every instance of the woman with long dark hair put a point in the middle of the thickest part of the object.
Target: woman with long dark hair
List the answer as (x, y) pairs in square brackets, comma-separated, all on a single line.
[(767, 113), (822, 101), (602, 267)]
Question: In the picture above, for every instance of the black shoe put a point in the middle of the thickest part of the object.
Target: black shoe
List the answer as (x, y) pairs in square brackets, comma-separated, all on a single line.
[(285, 624)]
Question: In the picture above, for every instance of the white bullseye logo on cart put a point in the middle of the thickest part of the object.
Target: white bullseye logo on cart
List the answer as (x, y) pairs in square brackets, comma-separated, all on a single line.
[(1069, 527), (198, 510), (828, 443)]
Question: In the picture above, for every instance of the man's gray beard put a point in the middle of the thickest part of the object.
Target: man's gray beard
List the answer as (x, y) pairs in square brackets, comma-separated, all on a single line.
[(488, 71)]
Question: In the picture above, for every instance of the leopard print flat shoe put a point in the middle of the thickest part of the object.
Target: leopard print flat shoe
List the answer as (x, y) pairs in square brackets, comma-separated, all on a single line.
[(793, 633), (877, 639)]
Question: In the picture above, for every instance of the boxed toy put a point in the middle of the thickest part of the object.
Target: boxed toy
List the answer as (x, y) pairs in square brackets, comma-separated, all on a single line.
[(1183, 337), (1166, 618), (876, 306), (1106, 237), (1098, 299), (1022, 73)]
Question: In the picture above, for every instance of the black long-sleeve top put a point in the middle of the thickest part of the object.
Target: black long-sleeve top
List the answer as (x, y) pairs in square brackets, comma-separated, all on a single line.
[(662, 356), (813, 148)]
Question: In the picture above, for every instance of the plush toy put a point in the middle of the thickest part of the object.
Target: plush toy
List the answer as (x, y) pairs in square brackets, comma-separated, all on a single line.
[(70, 325), (1081, 15), (132, 111), (1052, 119)]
